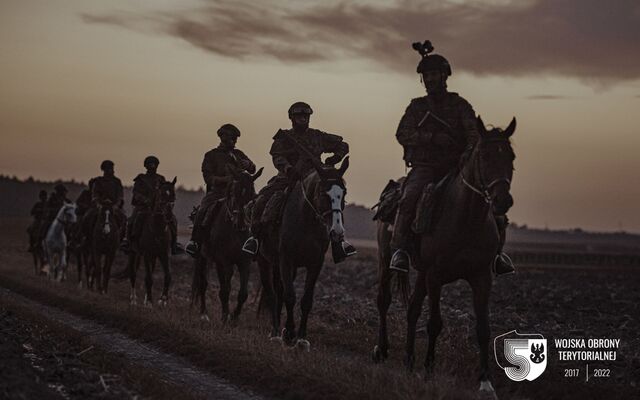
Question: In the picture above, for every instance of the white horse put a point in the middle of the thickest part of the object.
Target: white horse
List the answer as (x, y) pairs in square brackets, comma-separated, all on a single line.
[(55, 242)]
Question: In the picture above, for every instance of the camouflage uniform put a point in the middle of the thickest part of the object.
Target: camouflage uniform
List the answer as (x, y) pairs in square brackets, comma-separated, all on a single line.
[(104, 189), (432, 147), (145, 187), (54, 203), (286, 158), (217, 178), (38, 213)]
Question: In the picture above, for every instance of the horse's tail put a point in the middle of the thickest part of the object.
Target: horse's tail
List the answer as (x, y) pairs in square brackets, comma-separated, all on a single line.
[(199, 281)]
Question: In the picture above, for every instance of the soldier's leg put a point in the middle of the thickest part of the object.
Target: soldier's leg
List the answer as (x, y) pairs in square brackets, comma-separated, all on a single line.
[(503, 263), (416, 180), (251, 245), (173, 227), (193, 246)]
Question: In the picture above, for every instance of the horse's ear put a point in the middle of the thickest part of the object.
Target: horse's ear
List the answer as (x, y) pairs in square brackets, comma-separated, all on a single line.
[(511, 128), (481, 127), (257, 174), (175, 179), (344, 166)]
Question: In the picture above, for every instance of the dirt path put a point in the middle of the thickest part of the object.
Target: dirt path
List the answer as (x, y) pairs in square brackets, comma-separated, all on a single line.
[(166, 367)]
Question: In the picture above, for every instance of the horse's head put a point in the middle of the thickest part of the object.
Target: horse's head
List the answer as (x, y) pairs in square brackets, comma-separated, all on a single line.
[(240, 192), (67, 214), (495, 156), (328, 197)]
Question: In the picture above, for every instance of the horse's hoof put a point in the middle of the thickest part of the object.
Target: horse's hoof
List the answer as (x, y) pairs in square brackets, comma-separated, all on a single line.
[(204, 318), (163, 302), (303, 345), (409, 361), (378, 354)]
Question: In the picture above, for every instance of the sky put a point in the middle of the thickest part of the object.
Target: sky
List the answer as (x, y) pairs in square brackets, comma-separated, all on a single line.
[(82, 81)]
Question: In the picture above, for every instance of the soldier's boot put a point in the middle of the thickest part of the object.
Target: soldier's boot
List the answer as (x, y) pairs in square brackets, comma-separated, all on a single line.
[(193, 246), (400, 260), (502, 264)]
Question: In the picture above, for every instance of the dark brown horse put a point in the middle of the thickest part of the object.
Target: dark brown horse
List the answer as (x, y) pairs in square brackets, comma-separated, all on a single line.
[(464, 242), (223, 246), (104, 245), (312, 217), (154, 244)]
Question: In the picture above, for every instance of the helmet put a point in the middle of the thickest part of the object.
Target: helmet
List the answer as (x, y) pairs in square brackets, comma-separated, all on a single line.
[(59, 188), (42, 194), (229, 128), (433, 62), (106, 164), (151, 160), (300, 107)]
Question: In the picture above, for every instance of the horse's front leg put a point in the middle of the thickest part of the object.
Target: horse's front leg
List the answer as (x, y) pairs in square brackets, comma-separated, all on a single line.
[(164, 262), (381, 350), (243, 292), (106, 273), (148, 280), (288, 274), (413, 313), (225, 272), (434, 324), (306, 303), (481, 290), (133, 260)]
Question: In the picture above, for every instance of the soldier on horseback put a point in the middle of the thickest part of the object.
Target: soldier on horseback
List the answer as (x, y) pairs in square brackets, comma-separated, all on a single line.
[(105, 190), (436, 132), (216, 171), (145, 189), (38, 213), (54, 203), (291, 151)]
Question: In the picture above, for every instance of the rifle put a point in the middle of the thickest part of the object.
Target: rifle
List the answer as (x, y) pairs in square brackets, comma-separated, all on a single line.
[(303, 151)]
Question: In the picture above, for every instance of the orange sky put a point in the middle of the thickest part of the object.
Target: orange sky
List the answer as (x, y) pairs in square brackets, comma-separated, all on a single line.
[(83, 81)]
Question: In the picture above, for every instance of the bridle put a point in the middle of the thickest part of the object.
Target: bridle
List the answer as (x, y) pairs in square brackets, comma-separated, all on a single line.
[(482, 190), (335, 208)]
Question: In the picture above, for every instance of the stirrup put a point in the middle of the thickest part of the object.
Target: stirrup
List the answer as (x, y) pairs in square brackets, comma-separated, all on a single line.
[(348, 249), (504, 260), (396, 260), (251, 246)]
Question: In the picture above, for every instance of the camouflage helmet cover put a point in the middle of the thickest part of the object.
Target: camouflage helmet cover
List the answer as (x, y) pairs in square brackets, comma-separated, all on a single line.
[(151, 160), (106, 164), (229, 128), (430, 62), (300, 107)]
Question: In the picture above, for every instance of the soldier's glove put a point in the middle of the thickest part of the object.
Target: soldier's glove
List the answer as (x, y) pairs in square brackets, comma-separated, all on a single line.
[(245, 164), (333, 160)]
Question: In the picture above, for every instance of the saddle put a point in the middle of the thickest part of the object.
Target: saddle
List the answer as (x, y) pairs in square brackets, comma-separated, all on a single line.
[(388, 204), (273, 210), (429, 206)]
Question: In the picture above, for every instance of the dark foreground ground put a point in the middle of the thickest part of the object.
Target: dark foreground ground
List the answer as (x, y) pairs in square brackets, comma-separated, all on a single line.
[(567, 303)]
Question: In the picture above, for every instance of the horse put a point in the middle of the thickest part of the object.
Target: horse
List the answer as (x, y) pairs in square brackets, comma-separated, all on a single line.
[(105, 241), (223, 246), (464, 242), (54, 244), (155, 244), (312, 217)]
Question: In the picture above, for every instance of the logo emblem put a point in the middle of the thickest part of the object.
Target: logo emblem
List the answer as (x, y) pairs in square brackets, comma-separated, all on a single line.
[(526, 352)]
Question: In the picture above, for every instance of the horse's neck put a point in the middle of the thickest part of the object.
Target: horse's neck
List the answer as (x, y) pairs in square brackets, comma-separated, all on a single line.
[(308, 211), (469, 207)]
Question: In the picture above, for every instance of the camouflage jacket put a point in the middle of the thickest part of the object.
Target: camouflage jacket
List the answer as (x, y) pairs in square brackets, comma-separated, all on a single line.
[(144, 188), (106, 188), (285, 154), (436, 130), (214, 169), (38, 210)]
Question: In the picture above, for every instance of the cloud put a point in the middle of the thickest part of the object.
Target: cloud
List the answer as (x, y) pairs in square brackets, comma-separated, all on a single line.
[(571, 38)]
